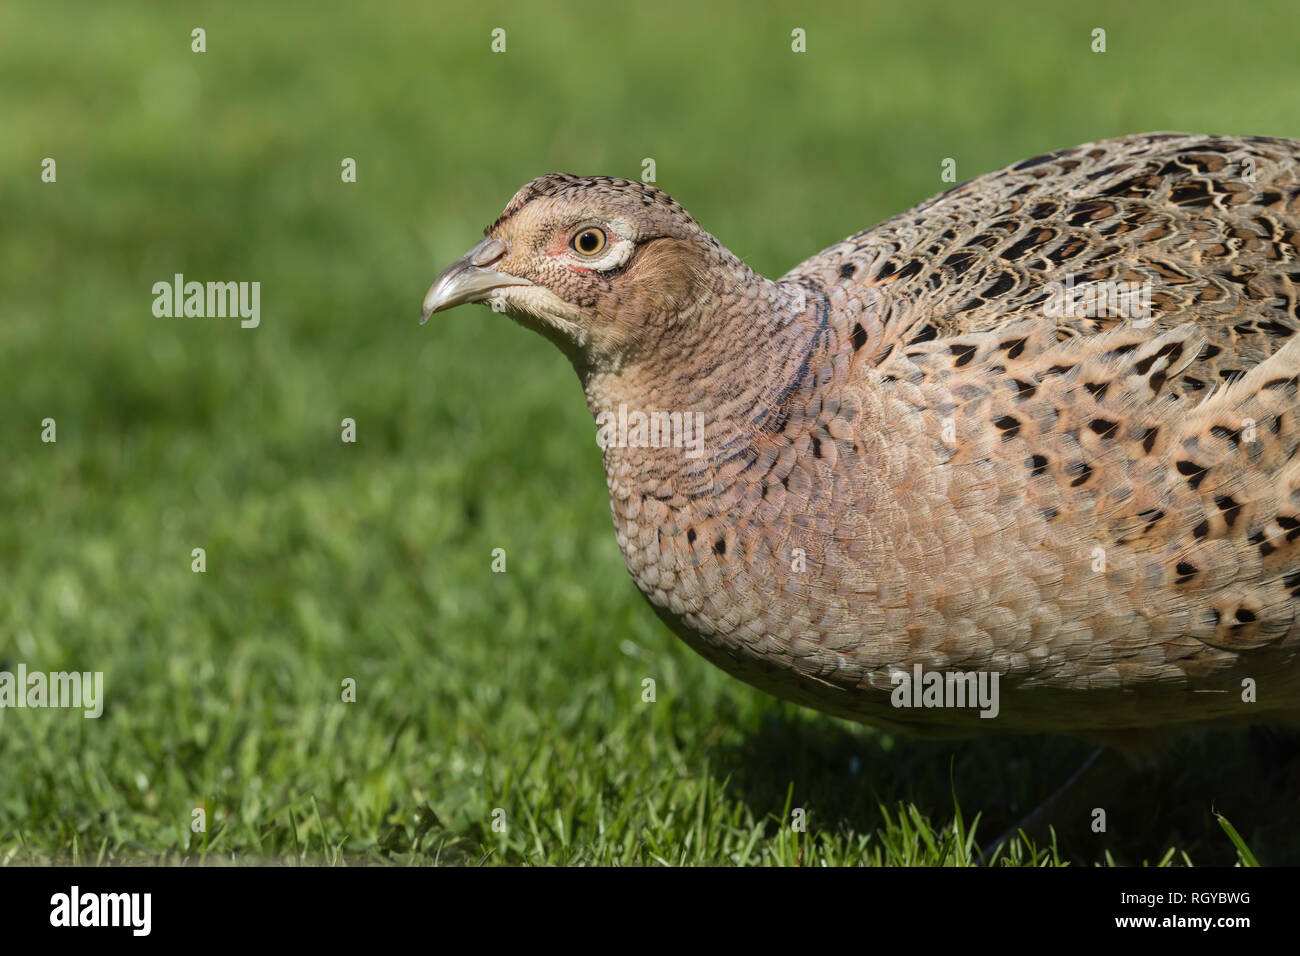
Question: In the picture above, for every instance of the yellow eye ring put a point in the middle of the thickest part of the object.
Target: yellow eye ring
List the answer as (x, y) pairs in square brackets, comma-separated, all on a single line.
[(589, 241)]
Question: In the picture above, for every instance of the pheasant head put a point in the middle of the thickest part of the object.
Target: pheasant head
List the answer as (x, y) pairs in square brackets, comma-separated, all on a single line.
[(612, 271)]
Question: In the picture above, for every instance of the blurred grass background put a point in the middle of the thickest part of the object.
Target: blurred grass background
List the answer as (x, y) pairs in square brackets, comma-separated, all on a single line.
[(325, 560)]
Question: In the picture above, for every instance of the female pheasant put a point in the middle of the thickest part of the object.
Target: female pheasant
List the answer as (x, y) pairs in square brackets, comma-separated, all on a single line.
[(1042, 427)]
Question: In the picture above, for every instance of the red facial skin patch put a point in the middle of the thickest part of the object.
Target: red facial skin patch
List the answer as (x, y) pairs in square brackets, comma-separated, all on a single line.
[(558, 248)]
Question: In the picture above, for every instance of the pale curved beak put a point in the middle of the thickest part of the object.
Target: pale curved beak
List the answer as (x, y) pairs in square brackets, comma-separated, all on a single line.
[(469, 279)]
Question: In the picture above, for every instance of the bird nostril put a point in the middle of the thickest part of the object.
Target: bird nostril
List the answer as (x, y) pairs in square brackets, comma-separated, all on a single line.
[(486, 252)]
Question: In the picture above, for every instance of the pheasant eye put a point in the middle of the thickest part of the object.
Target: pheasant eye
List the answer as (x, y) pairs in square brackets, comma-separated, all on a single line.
[(589, 241)]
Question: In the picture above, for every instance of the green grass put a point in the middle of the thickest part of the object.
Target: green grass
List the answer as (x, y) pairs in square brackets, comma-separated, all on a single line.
[(326, 561)]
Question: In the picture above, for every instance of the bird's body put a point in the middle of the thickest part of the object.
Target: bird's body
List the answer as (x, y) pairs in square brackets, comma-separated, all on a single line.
[(1043, 425)]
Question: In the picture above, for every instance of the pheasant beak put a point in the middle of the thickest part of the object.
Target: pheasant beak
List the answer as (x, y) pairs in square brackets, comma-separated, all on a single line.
[(469, 279)]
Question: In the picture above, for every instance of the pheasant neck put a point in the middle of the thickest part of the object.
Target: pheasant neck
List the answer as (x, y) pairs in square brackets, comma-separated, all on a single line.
[(729, 366)]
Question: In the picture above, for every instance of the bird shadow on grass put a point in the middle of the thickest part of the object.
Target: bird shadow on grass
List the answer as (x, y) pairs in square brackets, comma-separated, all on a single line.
[(843, 774)]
